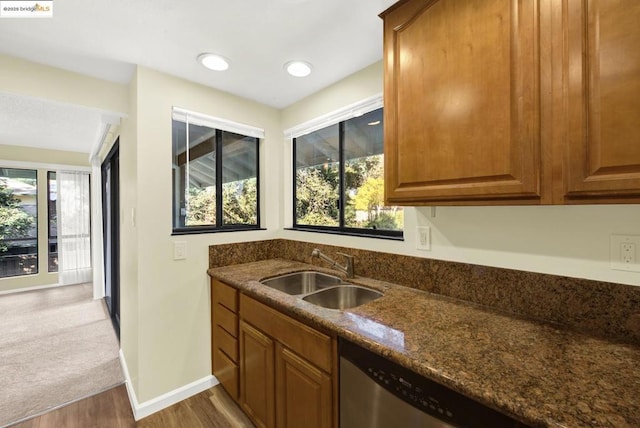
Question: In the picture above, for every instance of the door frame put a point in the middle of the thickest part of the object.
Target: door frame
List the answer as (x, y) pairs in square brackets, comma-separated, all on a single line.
[(111, 235)]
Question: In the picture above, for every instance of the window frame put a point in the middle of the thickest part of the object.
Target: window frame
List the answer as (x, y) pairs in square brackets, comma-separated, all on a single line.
[(219, 130), (37, 225), (341, 229), (49, 236)]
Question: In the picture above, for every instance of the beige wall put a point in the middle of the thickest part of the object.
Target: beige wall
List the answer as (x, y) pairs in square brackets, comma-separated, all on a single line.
[(562, 240), (129, 300), (35, 155), (42, 160), (36, 80), (172, 298)]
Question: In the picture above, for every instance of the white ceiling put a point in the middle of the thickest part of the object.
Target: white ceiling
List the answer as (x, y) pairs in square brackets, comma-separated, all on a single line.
[(106, 38), (34, 122)]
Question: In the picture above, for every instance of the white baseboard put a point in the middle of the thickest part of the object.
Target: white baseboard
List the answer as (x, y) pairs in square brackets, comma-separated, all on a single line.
[(149, 407)]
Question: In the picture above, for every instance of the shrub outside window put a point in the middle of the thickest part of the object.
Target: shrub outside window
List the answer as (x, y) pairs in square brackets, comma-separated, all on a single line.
[(215, 178), (18, 222), (339, 179)]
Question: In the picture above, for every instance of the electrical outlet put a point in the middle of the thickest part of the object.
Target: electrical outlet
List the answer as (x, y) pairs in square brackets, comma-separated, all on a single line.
[(623, 252), (628, 253), (423, 238)]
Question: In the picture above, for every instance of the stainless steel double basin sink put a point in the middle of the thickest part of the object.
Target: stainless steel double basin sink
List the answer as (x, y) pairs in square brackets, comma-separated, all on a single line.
[(323, 290)]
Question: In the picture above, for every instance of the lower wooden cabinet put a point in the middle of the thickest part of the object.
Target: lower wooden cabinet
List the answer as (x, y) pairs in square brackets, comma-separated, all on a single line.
[(257, 388), (224, 336), (281, 372), (286, 370), (303, 392), (226, 371)]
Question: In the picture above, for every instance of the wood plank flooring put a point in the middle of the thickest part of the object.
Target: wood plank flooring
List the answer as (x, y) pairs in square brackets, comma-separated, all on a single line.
[(111, 409)]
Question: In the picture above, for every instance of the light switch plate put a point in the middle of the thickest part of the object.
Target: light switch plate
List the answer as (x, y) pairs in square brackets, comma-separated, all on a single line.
[(179, 250)]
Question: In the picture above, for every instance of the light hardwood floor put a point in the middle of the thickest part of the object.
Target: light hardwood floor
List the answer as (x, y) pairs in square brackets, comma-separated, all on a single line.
[(111, 409)]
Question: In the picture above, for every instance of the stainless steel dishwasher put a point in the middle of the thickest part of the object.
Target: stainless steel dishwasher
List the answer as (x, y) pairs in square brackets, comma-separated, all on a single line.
[(377, 393)]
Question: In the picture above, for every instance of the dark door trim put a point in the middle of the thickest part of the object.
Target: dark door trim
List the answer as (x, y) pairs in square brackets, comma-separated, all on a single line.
[(111, 232)]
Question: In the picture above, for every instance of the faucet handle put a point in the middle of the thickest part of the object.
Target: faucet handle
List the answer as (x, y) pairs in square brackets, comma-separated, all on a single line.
[(349, 267)]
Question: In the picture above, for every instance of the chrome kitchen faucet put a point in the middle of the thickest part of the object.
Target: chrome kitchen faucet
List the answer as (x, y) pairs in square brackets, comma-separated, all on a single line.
[(348, 268)]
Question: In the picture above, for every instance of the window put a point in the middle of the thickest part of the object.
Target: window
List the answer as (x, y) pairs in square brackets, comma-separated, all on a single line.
[(18, 222), (215, 174), (339, 179), (53, 221)]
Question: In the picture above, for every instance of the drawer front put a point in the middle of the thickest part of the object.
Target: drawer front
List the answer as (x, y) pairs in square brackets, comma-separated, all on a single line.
[(224, 295), (226, 319), (225, 342), (300, 338), (227, 373)]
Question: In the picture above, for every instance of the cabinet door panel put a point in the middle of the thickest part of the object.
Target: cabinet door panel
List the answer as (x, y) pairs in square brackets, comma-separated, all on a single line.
[(257, 387), (306, 341), (227, 372), (603, 73), (462, 101), (303, 391)]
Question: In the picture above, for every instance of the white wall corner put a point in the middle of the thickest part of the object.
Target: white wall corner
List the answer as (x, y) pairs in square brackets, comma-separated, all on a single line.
[(149, 407)]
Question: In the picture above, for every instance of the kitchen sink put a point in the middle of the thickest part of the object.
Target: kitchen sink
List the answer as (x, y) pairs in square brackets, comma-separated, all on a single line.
[(302, 282), (321, 289), (342, 297)]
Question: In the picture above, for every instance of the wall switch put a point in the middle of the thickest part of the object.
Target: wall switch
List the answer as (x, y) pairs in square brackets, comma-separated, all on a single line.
[(423, 238), (179, 250), (624, 252)]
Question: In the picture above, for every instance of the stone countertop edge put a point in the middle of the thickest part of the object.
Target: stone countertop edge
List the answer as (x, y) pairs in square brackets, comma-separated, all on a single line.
[(540, 374)]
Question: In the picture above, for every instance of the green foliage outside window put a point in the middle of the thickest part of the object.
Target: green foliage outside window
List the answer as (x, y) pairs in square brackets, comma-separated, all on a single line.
[(14, 221), (317, 196), (239, 203)]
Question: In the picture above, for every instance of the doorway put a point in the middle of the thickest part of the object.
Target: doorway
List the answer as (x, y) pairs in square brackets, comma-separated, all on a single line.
[(111, 233)]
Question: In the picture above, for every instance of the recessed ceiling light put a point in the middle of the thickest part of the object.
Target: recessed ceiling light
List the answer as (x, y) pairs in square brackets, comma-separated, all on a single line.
[(298, 68), (213, 61)]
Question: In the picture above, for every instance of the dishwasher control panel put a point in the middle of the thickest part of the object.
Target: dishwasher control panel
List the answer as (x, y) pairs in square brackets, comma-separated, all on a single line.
[(414, 394)]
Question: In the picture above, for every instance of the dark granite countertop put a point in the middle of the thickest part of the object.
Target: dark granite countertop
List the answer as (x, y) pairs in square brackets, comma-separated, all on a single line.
[(540, 374)]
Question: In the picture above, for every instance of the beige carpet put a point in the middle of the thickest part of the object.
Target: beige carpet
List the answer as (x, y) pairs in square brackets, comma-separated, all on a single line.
[(56, 346)]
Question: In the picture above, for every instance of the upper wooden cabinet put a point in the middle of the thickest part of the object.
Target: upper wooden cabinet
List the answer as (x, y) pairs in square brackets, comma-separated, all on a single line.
[(603, 75), (486, 104)]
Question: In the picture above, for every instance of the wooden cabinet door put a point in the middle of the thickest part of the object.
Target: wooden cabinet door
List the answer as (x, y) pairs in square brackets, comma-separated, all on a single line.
[(303, 392), (602, 157), (462, 103), (226, 371), (257, 390)]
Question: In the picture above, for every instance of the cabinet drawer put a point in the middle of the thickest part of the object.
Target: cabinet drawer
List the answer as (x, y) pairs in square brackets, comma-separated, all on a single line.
[(227, 373), (305, 341), (227, 343), (226, 319), (224, 295)]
